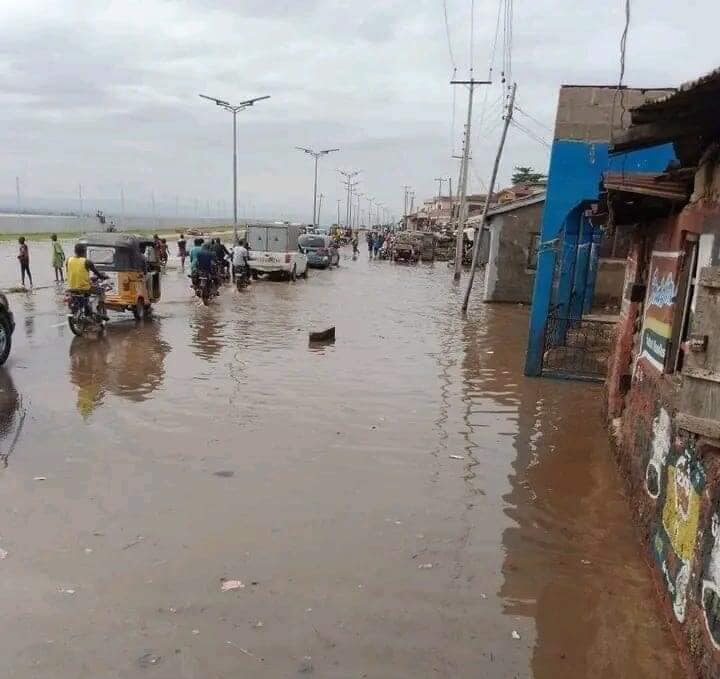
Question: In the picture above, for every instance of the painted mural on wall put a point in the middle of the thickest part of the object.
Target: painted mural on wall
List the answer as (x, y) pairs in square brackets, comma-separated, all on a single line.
[(676, 536), (661, 441), (659, 307), (710, 596)]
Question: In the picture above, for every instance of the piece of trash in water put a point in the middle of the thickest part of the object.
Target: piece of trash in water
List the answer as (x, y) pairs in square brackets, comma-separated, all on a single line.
[(489, 351), (136, 541), (39, 478), (585, 562), (515, 635), (98, 533), (308, 610), (88, 550), (229, 585), (3, 554), (149, 659), (398, 523), (327, 335), (258, 624), (66, 590), (456, 457), (306, 666), (425, 565), (196, 631), (225, 473), (483, 596)]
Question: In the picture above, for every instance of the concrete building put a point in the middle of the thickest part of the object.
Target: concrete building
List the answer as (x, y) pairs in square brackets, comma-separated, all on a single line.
[(438, 213), (663, 385), (564, 287), (514, 230)]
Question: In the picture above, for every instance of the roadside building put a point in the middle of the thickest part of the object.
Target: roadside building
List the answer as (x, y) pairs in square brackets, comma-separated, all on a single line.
[(511, 260), (563, 337), (663, 386)]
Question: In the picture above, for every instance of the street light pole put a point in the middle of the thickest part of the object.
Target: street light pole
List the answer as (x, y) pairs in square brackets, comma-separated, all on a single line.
[(316, 155), (234, 109)]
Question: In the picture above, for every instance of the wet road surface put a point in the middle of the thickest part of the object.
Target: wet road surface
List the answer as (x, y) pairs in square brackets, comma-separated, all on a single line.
[(140, 470)]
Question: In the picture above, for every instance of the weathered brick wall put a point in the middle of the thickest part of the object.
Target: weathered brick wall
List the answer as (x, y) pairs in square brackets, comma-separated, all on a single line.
[(673, 476)]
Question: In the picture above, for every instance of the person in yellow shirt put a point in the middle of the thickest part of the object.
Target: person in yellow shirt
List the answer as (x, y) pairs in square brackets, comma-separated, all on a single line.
[(79, 269)]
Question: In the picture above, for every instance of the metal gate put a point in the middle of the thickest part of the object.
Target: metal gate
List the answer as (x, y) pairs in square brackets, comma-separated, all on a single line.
[(577, 348)]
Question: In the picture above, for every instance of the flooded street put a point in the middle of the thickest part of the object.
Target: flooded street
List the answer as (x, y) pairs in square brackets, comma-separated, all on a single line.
[(140, 470)]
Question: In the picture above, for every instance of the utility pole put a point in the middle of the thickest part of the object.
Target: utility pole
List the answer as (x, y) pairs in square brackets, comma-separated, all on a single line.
[(491, 186), (17, 194), (234, 109), (440, 181), (80, 199), (154, 211), (319, 209), (338, 212), (406, 189), (349, 185), (462, 191), (122, 204), (412, 201), (316, 155)]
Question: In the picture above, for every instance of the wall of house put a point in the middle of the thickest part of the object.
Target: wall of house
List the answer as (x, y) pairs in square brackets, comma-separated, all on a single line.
[(507, 275), (579, 156), (673, 472), (609, 283)]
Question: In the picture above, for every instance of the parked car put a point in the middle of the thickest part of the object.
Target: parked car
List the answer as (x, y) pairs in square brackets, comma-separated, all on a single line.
[(320, 250), (7, 327), (274, 250)]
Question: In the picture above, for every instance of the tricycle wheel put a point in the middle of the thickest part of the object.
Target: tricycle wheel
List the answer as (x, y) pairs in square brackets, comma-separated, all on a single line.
[(138, 311)]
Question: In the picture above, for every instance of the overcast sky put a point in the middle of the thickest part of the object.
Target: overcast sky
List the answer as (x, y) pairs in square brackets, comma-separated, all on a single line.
[(105, 93)]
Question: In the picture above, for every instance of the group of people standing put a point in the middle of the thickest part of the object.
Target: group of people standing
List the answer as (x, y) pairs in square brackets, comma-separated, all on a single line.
[(376, 241)]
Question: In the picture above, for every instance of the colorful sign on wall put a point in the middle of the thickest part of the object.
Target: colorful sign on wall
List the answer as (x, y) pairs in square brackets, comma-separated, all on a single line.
[(659, 307)]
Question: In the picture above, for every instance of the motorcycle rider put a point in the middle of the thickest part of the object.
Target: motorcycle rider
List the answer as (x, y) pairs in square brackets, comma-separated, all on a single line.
[(79, 268), (241, 267)]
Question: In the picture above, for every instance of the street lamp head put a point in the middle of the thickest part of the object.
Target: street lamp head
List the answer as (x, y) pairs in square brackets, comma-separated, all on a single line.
[(326, 151)]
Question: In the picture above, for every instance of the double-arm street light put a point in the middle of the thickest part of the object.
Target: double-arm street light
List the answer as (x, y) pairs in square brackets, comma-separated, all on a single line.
[(234, 108), (316, 155)]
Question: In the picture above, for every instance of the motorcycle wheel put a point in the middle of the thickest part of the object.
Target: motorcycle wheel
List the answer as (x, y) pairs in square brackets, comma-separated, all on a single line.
[(76, 328)]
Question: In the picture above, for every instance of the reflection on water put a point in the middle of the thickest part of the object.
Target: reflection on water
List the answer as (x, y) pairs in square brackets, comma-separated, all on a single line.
[(127, 362), (12, 416), (29, 314), (207, 331)]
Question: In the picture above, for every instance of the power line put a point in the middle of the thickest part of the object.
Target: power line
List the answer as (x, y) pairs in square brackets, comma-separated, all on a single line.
[(535, 120), (619, 91), (472, 35), (530, 133), (447, 33)]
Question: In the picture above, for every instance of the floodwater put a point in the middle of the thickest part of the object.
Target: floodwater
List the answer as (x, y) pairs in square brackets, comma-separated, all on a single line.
[(140, 470)]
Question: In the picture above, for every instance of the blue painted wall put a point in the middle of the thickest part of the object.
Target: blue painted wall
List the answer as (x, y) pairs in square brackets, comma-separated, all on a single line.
[(576, 169)]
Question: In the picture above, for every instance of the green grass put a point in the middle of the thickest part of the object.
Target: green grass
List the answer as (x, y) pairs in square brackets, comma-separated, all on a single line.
[(71, 235)]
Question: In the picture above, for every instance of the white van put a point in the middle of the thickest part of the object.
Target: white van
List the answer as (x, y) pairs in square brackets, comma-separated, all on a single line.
[(274, 250)]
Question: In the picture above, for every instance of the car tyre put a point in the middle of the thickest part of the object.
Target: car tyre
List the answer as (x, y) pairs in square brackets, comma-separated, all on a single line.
[(5, 339)]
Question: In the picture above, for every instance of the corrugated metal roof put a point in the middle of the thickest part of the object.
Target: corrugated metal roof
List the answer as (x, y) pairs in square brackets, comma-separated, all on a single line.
[(671, 186), (509, 207), (709, 81)]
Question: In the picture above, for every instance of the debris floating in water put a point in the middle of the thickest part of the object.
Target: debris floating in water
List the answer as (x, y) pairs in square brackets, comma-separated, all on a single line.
[(456, 457), (327, 335), (39, 478), (3, 554), (424, 566), (515, 635), (229, 585)]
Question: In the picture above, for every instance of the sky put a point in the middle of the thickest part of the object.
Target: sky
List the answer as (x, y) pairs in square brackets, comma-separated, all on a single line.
[(105, 94)]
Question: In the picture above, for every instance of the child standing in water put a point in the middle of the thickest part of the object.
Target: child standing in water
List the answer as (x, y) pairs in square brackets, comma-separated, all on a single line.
[(58, 259), (24, 259)]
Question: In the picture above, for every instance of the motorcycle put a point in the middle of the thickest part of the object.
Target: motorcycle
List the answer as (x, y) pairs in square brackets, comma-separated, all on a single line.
[(83, 318), (205, 287), (242, 277)]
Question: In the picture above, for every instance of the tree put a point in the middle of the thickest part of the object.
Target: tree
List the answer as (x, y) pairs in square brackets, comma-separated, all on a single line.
[(526, 175)]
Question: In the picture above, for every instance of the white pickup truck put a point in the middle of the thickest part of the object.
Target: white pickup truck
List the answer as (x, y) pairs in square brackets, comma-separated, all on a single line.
[(274, 250)]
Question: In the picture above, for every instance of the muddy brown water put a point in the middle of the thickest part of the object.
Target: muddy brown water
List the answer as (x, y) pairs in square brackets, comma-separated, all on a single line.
[(215, 443)]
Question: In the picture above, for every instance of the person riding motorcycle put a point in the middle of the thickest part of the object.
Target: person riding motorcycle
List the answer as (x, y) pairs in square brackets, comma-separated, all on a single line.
[(241, 266), (79, 268)]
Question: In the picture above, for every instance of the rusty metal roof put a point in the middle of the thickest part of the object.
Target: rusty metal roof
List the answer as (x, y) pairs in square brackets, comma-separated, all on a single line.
[(674, 186), (707, 85)]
